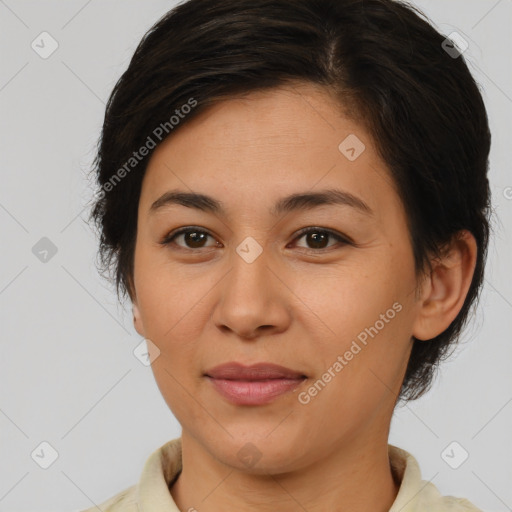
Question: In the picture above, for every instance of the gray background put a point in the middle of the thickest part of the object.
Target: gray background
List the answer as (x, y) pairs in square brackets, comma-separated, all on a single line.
[(67, 369)]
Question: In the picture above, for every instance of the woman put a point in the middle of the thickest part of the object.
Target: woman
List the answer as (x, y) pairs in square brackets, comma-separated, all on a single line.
[(294, 197)]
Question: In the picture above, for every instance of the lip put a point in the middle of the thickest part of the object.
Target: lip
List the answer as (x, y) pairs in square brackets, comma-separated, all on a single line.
[(256, 384), (258, 371)]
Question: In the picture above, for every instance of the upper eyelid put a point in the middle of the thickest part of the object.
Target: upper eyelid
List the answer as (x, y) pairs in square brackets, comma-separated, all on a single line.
[(304, 231), (329, 231)]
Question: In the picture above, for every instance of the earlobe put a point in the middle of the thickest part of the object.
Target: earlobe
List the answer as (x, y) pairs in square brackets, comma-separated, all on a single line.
[(137, 321), (446, 288)]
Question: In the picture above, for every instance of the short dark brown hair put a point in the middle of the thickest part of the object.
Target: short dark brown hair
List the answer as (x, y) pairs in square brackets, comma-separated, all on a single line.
[(385, 63)]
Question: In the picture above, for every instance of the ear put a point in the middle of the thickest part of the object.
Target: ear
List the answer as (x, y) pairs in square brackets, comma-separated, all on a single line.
[(444, 290), (137, 320)]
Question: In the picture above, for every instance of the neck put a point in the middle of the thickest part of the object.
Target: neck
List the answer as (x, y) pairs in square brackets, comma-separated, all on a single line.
[(353, 478)]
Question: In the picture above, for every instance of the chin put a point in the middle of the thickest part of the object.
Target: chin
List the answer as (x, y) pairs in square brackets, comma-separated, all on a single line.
[(257, 452)]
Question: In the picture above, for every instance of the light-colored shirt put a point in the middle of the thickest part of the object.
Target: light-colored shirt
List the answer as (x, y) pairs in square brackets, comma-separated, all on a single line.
[(151, 493)]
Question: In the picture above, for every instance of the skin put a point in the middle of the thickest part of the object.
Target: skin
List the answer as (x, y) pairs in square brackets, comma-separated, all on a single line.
[(297, 304)]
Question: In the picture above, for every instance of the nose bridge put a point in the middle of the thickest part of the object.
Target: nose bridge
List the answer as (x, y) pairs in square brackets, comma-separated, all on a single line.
[(250, 295), (250, 274)]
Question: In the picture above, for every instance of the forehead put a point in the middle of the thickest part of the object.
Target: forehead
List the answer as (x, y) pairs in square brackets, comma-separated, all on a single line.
[(266, 145)]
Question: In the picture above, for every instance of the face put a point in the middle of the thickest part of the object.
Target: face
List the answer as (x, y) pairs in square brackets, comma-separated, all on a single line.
[(322, 285)]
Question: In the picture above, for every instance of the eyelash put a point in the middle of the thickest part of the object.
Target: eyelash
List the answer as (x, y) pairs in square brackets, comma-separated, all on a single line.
[(344, 240)]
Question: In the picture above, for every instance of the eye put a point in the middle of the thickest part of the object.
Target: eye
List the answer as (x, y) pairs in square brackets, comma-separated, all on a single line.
[(193, 238), (317, 238)]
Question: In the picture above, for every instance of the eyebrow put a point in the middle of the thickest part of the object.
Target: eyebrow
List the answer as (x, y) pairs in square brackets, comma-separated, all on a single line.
[(294, 202)]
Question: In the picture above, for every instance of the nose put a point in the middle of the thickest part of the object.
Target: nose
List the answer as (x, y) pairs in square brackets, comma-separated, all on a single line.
[(252, 299)]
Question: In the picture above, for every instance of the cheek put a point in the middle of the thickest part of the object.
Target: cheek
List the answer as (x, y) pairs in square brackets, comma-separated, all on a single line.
[(348, 299), (363, 314), (172, 377), (167, 296)]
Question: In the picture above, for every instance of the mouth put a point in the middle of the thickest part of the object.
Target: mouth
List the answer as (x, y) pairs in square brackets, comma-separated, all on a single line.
[(257, 384)]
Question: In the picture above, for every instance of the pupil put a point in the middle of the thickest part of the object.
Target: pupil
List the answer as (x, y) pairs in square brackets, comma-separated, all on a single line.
[(191, 238), (315, 237)]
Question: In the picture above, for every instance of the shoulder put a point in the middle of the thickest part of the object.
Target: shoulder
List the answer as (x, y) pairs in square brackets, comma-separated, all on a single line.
[(418, 495), (151, 492), (431, 499), (124, 501)]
